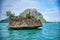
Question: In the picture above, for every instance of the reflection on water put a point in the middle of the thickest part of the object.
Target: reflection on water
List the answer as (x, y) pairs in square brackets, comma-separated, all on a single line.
[(49, 32)]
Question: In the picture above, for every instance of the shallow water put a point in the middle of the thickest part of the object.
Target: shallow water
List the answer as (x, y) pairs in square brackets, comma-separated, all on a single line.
[(50, 31)]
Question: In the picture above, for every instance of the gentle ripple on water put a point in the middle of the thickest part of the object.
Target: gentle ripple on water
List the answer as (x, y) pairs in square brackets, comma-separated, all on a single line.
[(50, 31)]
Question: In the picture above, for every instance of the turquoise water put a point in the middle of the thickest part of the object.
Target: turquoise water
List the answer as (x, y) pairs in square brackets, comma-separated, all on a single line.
[(50, 31)]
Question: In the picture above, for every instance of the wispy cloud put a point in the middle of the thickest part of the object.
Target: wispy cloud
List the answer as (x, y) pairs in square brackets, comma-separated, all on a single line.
[(48, 8)]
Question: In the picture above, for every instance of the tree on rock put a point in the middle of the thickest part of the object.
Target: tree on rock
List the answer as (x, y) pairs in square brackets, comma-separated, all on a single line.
[(11, 16), (28, 15)]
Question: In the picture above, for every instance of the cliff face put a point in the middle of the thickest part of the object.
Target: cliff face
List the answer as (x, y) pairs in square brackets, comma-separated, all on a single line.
[(34, 13), (21, 22)]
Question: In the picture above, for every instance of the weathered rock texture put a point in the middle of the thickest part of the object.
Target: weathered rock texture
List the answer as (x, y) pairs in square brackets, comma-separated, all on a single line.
[(22, 22)]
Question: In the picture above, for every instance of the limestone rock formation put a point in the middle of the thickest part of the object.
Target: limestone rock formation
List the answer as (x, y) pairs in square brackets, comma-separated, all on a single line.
[(21, 22), (29, 21)]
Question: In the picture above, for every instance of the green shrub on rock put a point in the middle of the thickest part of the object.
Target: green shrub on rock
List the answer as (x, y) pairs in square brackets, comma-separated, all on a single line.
[(28, 15), (11, 16)]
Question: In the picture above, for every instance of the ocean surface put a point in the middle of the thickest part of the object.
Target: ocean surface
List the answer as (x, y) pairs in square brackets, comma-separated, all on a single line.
[(49, 31)]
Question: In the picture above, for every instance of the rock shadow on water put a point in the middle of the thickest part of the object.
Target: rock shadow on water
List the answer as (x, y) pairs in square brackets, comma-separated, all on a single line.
[(24, 28)]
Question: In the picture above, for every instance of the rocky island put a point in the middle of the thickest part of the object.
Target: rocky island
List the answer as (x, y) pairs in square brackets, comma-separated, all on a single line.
[(22, 22)]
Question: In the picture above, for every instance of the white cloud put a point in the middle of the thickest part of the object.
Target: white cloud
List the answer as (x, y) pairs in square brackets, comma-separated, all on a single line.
[(48, 8), (51, 15)]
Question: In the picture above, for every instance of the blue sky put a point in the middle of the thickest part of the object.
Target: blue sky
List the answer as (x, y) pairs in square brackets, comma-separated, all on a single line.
[(48, 8)]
